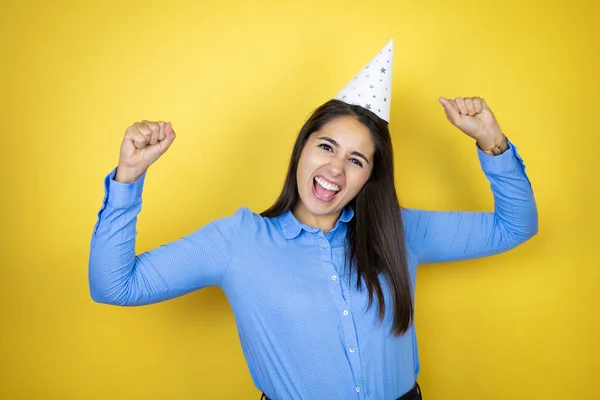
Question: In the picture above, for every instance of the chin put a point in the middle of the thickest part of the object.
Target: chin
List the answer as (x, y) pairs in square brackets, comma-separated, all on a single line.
[(317, 207)]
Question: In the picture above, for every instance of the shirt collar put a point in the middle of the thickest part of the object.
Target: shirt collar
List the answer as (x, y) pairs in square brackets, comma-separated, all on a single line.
[(292, 227)]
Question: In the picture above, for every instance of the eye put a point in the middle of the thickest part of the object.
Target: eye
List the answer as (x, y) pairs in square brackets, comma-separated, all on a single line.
[(325, 147), (357, 162)]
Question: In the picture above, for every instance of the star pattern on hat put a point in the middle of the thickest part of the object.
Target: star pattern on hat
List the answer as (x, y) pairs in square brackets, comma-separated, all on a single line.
[(376, 86)]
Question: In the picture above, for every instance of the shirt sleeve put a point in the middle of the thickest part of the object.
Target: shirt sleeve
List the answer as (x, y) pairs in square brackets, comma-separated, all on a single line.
[(440, 236), (118, 276)]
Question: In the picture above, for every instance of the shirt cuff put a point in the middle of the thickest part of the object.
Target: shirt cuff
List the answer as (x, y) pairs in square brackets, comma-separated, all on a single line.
[(123, 195), (507, 161)]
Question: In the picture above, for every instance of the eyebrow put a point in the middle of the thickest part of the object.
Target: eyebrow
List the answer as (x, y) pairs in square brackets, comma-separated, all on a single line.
[(336, 144)]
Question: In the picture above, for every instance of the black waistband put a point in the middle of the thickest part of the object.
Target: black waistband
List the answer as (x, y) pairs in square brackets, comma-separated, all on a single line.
[(412, 394)]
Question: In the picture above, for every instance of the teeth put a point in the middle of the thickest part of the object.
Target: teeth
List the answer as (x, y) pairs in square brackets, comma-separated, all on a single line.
[(327, 185)]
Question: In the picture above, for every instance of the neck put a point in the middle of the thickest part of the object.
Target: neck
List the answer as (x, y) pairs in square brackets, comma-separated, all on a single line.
[(323, 222)]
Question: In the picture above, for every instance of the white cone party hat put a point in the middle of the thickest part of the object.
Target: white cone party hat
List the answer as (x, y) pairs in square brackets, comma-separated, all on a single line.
[(372, 87)]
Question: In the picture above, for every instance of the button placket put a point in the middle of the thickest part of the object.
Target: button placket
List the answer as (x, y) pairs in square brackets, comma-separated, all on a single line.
[(350, 341), (327, 257)]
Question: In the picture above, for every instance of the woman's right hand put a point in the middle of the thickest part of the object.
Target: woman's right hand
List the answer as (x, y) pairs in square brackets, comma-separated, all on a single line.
[(143, 144)]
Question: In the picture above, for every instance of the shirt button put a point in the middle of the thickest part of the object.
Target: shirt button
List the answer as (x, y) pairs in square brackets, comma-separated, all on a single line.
[(358, 388), (334, 277), (351, 349), (345, 312), (324, 245)]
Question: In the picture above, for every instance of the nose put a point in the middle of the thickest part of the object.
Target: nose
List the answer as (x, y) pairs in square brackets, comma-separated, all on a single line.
[(336, 167)]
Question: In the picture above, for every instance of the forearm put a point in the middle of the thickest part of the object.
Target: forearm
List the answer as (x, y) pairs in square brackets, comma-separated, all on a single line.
[(112, 248), (515, 211)]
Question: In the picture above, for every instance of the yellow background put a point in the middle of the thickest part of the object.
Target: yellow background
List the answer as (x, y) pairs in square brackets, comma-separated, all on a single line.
[(237, 80)]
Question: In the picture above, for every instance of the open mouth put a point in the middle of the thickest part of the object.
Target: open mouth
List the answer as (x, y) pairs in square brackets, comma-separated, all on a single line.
[(324, 190)]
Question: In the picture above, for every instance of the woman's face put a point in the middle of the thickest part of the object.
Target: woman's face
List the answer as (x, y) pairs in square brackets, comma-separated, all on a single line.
[(334, 165)]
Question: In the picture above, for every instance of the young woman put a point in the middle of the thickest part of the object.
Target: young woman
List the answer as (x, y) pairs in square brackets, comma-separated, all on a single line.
[(302, 277)]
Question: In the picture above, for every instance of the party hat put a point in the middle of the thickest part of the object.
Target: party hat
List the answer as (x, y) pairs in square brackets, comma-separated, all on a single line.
[(372, 87)]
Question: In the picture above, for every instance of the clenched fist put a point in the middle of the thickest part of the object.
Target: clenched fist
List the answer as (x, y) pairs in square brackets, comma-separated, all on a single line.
[(143, 144), (473, 117)]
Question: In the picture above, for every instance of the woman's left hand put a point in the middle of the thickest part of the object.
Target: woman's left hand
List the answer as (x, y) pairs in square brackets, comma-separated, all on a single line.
[(472, 116)]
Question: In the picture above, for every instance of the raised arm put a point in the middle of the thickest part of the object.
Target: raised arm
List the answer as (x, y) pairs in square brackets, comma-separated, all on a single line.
[(118, 276), (440, 236)]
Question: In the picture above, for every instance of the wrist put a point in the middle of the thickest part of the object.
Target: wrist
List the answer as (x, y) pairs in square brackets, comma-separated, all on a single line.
[(490, 140), (127, 175), (498, 147)]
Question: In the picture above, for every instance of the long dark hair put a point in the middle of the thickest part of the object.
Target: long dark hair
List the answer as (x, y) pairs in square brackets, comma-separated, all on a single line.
[(375, 234)]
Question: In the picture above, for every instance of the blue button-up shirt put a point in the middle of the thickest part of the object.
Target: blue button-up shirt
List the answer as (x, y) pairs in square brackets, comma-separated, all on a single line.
[(304, 328)]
